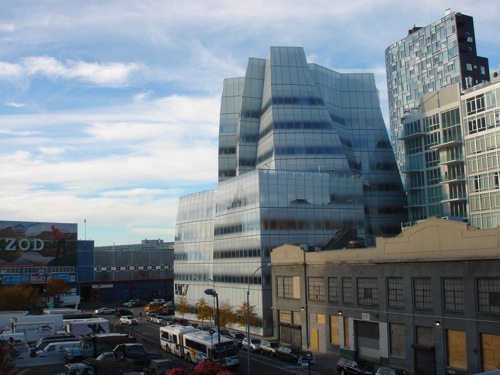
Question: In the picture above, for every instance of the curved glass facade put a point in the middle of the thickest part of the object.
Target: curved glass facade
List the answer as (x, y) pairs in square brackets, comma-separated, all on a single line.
[(303, 153)]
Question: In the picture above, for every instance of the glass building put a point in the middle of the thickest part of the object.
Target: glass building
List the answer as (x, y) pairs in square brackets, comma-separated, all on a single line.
[(427, 59), (304, 155)]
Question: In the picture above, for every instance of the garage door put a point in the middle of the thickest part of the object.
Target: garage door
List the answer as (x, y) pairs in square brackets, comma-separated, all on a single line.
[(368, 340)]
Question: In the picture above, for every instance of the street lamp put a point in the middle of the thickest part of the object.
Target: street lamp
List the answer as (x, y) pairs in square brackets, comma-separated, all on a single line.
[(213, 293), (248, 317)]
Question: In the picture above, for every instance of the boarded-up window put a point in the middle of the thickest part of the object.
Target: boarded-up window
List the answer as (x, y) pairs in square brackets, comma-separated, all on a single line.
[(320, 318), (285, 316), (457, 351), (334, 330), (347, 341), (398, 341), (490, 350)]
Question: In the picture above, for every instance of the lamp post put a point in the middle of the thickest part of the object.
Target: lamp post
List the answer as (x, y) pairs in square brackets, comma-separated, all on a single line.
[(248, 318), (213, 293)]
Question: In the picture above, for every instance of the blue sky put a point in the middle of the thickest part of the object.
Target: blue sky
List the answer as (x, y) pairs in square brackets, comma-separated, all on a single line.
[(109, 109)]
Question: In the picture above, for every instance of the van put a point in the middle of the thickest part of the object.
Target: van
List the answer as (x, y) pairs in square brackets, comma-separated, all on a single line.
[(57, 349), (44, 341)]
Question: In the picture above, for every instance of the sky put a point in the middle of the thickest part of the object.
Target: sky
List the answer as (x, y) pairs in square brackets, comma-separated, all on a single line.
[(109, 110)]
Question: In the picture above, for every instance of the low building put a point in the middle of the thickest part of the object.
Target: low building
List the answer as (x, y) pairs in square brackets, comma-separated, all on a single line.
[(124, 272), (427, 301)]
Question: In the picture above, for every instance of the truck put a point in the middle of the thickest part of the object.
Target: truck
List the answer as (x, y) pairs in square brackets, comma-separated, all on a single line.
[(8, 317), (70, 299), (91, 366), (84, 327), (136, 352), (94, 345), (36, 330), (56, 318)]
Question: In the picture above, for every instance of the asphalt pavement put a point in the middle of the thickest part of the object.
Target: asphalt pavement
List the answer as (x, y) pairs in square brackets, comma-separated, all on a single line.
[(326, 363)]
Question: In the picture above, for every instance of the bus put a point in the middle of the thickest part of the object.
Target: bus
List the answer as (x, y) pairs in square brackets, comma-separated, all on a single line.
[(171, 338), (200, 346)]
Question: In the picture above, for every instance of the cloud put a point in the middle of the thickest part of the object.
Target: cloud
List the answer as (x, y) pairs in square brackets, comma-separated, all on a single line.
[(14, 104), (100, 74), (7, 27), (9, 70)]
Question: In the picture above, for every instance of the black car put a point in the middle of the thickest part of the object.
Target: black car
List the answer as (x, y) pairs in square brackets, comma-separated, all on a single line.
[(238, 338), (289, 353), (348, 366), (123, 312)]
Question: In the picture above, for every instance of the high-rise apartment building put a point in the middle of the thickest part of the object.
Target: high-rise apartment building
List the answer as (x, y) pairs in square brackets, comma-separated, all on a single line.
[(304, 156), (434, 161), (481, 123), (452, 143), (427, 59)]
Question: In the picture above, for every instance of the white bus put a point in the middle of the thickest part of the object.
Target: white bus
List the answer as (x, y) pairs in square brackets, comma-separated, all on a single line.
[(201, 346), (171, 338)]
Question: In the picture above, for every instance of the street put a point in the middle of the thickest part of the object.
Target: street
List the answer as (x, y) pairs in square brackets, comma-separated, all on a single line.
[(148, 334)]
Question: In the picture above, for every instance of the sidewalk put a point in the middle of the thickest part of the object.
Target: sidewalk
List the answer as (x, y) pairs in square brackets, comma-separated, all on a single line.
[(326, 363)]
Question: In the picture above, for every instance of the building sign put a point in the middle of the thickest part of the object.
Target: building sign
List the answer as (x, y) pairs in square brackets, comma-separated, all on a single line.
[(40, 277), (10, 280), (33, 244)]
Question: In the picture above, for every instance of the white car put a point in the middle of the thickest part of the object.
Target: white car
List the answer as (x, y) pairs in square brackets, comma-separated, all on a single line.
[(105, 311), (254, 344), (128, 319)]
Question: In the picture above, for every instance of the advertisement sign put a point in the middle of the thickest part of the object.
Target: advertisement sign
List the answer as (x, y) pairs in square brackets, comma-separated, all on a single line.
[(32, 244)]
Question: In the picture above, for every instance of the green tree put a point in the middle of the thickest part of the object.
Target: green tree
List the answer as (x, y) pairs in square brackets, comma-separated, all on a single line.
[(242, 315), (226, 314), (205, 311), (182, 305)]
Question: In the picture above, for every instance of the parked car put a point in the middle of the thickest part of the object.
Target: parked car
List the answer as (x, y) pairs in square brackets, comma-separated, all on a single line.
[(108, 355), (385, 371), (269, 347), (56, 349), (128, 320), (158, 301), (254, 344), (151, 315), (122, 312), (238, 338), (349, 366), (104, 311), (153, 307), (159, 319), (289, 354)]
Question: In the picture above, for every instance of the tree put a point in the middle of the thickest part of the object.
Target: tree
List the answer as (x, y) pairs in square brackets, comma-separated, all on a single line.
[(19, 297), (242, 315), (54, 288), (226, 314), (182, 305), (205, 311)]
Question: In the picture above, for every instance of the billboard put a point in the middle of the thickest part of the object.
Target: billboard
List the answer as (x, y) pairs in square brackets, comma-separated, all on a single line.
[(35, 244)]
